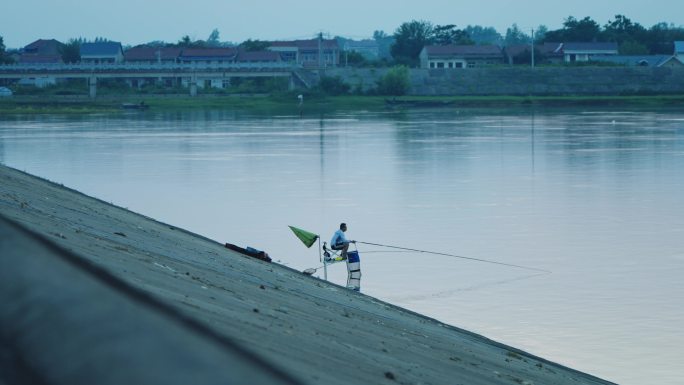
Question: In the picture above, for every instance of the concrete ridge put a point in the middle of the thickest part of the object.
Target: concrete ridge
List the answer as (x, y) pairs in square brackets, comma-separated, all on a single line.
[(303, 325), (25, 289)]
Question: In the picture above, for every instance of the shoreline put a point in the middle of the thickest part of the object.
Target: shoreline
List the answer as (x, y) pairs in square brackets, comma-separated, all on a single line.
[(282, 316), (81, 104)]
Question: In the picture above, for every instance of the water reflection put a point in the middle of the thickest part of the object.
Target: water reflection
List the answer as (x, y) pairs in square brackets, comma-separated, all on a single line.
[(593, 196)]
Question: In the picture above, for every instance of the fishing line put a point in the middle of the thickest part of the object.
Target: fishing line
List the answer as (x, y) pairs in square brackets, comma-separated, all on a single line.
[(457, 256)]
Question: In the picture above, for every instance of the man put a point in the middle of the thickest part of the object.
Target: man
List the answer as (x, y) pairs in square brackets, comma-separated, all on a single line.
[(340, 242)]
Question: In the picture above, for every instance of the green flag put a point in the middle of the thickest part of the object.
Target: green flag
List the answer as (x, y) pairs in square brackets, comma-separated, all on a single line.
[(306, 237)]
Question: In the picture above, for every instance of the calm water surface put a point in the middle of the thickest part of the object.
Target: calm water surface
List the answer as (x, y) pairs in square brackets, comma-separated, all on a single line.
[(595, 196)]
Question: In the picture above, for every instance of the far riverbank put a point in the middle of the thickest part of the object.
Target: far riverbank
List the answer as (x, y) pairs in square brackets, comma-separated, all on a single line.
[(316, 103)]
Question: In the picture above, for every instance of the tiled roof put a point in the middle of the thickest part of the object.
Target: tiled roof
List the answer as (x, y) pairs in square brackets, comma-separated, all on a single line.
[(108, 48), (517, 49), (463, 50), (634, 60), (590, 47), (150, 53), (44, 46), (208, 53), (258, 56), (550, 48)]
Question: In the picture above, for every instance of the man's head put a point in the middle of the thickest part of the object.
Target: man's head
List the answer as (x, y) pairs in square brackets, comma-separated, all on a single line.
[(343, 226)]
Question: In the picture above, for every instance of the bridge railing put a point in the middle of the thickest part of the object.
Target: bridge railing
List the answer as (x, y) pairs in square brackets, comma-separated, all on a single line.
[(136, 67)]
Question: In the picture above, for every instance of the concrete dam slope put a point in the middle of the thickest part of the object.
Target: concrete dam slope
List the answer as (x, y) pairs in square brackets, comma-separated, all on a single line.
[(94, 293), (524, 81)]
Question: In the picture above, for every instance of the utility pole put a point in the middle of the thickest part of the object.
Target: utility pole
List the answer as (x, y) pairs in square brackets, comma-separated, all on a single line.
[(532, 47), (320, 50)]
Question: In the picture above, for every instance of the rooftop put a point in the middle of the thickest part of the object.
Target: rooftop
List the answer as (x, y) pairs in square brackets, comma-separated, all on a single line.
[(601, 46), (143, 53), (463, 50)]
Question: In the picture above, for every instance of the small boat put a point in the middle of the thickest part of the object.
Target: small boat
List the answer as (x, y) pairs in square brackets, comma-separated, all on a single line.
[(135, 106)]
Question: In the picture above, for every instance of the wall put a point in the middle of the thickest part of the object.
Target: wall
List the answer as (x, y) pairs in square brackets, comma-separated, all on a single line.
[(528, 81)]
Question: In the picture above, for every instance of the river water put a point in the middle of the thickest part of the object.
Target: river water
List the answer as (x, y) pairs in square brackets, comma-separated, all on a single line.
[(592, 195)]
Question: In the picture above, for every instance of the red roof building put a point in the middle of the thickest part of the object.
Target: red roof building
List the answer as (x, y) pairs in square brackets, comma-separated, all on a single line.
[(42, 51)]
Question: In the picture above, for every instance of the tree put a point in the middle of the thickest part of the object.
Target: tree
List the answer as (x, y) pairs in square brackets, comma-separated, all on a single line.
[(585, 30), (632, 47), (213, 39), (660, 37), (622, 29), (4, 57), (254, 45), (449, 34), (379, 35), (354, 59), (540, 33), (333, 85), (384, 44), (395, 82), (515, 36), (410, 38), (187, 42), (483, 35), (71, 51)]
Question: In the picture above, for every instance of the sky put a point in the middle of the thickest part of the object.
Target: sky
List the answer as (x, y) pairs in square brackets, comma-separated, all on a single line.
[(135, 22)]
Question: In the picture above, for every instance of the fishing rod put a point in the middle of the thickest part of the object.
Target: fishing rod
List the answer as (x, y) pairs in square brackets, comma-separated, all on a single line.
[(456, 256)]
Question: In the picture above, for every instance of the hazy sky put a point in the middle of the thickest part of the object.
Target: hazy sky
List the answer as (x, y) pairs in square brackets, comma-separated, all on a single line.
[(138, 21)]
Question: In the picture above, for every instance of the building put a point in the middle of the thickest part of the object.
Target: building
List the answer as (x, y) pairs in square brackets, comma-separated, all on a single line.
[(107, 52), (584, 52), (460, 56), (258, 57), (152, 55), (314, 53), (547, 53), (208, 56), (369, 49), (633, 60), (42, 51)]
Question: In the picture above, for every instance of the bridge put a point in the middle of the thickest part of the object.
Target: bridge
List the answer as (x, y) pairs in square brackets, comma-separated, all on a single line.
[(190, 74)]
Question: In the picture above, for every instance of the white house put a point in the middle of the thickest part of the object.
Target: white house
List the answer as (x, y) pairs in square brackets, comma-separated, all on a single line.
[(583, 52), (312, 53), (460, 56)]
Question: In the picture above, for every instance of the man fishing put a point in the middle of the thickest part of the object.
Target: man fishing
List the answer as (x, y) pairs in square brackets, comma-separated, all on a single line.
[(340, 242)]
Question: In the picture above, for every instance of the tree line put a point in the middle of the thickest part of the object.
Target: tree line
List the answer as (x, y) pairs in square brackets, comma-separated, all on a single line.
[(404, 45), (632, 38)]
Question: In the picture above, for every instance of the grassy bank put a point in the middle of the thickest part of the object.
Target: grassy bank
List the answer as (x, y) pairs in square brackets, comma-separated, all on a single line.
[(287, 103)]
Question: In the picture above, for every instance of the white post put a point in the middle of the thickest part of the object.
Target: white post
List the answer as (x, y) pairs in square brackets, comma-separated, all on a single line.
[(325, 263)]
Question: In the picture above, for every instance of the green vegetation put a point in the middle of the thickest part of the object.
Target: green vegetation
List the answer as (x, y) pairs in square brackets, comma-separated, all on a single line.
[(411, 37), (71, 51), (395, 82), (631, 36), (4, 57), (314, 102), (333, 86)]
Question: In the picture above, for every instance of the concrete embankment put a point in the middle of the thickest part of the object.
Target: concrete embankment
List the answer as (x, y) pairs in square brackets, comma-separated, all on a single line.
[(94, 293), (523, 81)]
